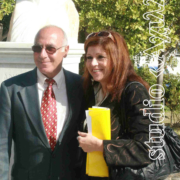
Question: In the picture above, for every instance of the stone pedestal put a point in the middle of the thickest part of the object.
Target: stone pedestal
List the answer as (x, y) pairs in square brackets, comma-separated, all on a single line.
[(17, 58)]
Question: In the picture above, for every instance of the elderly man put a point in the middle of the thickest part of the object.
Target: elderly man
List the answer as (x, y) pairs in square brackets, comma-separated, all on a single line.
[(41, 111)]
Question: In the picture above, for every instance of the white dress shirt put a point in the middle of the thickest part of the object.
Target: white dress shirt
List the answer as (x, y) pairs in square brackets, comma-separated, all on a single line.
[(59, 89)]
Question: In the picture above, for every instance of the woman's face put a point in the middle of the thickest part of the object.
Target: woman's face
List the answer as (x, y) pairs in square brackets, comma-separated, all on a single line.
[(98, 64)]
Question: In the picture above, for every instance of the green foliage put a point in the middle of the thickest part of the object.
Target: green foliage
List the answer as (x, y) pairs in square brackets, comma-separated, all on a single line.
[(146, 75), (6, 7), (171, 84), (172, 88), (172, 20), (172, 96), (126, 17), (122, 16), (166, 109)]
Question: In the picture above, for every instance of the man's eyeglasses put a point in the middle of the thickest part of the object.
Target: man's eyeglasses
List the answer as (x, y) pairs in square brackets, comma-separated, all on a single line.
[(49, 49), (101, 33)]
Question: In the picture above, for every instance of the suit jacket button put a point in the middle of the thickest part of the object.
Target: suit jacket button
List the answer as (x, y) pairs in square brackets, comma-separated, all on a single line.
[(53, 155), (49, 177)]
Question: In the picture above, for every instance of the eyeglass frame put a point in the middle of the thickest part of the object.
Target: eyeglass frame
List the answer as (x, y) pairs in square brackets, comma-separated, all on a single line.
[(97, 33), (46, 48)]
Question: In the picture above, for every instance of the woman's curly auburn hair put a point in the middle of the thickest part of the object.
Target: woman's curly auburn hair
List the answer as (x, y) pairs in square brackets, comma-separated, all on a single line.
[(121, 71)]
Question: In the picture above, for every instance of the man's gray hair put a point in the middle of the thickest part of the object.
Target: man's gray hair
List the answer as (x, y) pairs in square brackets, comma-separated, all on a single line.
[(65, 39)]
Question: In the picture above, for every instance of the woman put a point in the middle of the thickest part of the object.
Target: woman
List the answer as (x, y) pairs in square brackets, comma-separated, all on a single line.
[(108, 70)]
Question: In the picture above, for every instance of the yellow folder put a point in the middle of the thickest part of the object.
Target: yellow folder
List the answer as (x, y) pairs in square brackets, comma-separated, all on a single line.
[(101, 128)]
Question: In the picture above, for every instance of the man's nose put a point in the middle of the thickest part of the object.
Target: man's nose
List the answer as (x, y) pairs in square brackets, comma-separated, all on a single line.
[(43, 53)]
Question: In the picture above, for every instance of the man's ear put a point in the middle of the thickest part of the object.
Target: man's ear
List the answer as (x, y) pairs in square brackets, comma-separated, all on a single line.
[(66, 51)]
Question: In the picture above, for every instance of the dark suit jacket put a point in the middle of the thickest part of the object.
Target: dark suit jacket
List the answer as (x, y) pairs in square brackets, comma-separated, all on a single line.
[(20, 120)]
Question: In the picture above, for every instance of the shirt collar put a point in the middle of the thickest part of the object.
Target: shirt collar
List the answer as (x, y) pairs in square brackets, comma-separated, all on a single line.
[(59, 78), (99, 96)]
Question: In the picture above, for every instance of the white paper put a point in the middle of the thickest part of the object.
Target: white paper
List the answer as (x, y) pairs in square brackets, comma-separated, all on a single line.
[(88, 118)]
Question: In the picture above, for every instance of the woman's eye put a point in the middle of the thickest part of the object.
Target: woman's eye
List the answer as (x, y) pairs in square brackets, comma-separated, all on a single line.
[(88, 58), (101, 57)]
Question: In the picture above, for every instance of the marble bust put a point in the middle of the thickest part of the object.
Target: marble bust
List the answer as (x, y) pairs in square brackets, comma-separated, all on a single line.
[(31, 15)]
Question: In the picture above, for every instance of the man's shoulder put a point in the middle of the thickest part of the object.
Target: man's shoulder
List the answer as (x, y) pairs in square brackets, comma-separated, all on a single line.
[(75, 77), (18, 79), (72, 74)]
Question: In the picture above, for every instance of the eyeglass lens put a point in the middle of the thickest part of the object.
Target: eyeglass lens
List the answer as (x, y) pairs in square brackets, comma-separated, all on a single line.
[(49, 49), (103, 33), (91, 35)]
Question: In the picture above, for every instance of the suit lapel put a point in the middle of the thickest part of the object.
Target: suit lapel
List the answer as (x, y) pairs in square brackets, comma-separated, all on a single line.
[(71, 96), (30, 99)]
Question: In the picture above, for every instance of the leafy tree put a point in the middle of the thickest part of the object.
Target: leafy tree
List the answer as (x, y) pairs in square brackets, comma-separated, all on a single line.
[(123, 16), (6, 9), (126, 17), (172, 20), (145, 74), (171, 84), (172, 95)]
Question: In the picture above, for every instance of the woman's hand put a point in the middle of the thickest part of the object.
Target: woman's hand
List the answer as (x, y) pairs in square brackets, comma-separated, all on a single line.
[(89, 143)]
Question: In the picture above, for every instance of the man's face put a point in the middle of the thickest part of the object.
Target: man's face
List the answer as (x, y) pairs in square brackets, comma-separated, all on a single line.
[(50, 64)]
